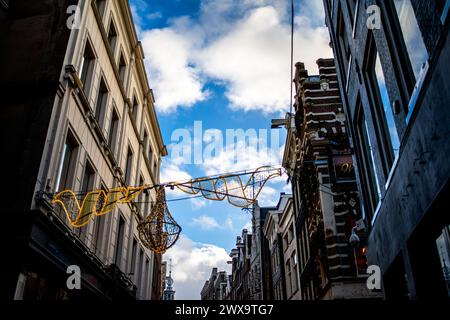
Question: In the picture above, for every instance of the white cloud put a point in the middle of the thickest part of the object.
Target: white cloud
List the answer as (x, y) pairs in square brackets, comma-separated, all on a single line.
[(192, 263), (243, 45), (241, 156), (175, 80), (206, 222)]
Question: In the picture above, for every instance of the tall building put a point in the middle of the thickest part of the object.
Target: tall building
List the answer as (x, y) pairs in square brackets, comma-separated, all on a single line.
[(318, 159), (77, 113), (392, 61)]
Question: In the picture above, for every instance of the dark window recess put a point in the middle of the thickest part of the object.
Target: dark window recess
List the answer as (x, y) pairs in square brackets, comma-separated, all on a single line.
[(122, 68), (87, 66), (120, 240), (113, 130), (102, 98), (112, 36), (101, 4), (344, 45), (128, 166), (134, 108)]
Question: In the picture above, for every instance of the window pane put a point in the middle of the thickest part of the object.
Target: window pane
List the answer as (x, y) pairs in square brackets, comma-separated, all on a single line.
[(443, 245), (412, 35), (389, 115), (372, 161)]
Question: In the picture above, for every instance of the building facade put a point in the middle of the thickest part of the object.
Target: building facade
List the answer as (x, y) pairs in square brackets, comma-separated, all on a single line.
[(318, 159), (261, 279), (88, 122), (240, 267), (273, 234), (216, 287), (392, 59)]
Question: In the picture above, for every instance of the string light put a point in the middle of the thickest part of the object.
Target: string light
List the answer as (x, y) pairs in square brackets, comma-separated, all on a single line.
[(159, 231)]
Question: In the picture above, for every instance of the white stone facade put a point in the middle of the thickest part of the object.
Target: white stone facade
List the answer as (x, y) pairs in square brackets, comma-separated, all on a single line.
[(105, 107)]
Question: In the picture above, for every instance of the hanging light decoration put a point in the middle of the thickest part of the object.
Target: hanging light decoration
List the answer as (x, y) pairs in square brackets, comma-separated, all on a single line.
[(159, 231)]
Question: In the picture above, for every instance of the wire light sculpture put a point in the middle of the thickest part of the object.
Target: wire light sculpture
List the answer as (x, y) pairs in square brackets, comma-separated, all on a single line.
[(231, 186), (158, 231)]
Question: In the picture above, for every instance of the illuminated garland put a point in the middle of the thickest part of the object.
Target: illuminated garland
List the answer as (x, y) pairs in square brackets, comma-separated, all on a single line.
[(159, 231)]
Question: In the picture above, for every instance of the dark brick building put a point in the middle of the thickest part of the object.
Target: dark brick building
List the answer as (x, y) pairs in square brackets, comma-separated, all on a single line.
[(393, 61), (319, 163)]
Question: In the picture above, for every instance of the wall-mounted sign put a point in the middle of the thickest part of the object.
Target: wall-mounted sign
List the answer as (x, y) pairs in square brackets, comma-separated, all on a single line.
[(344, 168)]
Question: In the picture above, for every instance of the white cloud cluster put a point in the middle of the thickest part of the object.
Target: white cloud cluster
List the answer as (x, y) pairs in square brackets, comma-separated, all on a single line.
[(192, 263), (243, 45)]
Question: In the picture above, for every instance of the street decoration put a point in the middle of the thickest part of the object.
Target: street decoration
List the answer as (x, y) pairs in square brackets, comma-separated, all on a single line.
[(159, 231)]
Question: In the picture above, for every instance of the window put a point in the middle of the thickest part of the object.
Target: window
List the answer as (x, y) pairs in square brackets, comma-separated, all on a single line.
[(155, 167), (139, 275), (288, 278), (412, 37), (133, 257), (128, 166), (113, 130), (382, 113), (291, 233), (145, 142), (351, 4), (443, 7), (141, 198), (344, 45), (443, 246), (88, 177), (122, 68), (147, 200), (371, 187), (87, 66), (87, 184), (101, 4), (99, 230), (146, 277), (67, 164), (112, 36), (120, 241), (294, 272), (134, 109), (102, 100)]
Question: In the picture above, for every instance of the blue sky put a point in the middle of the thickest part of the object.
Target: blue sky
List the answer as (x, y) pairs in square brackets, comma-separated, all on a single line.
[(225, 63)]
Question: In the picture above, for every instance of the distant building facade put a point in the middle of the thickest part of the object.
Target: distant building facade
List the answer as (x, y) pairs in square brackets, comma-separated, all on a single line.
[(87, 122), (216, 287), (392, 67), (240, 267)]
